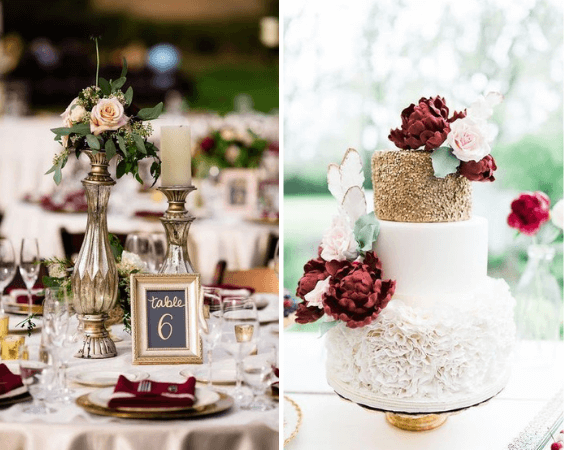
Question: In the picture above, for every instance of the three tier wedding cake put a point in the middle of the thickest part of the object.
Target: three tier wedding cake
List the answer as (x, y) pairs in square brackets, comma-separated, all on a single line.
[(413, 323)]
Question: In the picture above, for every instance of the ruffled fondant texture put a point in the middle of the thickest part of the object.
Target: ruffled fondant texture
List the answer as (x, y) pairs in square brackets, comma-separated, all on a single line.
[(439, 353)]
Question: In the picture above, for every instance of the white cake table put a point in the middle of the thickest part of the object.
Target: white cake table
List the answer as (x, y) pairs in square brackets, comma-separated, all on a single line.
[(332, 423)]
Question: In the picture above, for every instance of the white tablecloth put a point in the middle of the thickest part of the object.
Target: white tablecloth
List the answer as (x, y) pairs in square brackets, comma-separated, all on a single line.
[(332, 423), (241, 243), (71, 428)]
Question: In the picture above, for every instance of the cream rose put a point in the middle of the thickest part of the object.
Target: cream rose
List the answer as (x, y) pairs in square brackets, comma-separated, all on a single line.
[(107, 114), (468, 140), (77, 113), (315, 297), (339, 243), (232, 153), (557, 214)]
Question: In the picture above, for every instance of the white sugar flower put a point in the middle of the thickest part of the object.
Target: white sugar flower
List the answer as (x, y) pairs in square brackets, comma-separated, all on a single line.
[(315, 297), (557, 214), (468, 139), (339, 242)]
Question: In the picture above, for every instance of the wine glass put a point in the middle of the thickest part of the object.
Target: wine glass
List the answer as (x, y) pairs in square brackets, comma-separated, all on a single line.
[(240, 334), (34, 370), (7, 267), (258, 371), (214, 307), (29, 266), (142, 245), (159, 249), (56, 318)]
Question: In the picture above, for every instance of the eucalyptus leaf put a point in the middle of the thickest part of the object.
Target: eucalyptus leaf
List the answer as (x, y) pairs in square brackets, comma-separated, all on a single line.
[(128, 96), (121, 143), (139, 143), (62, 131), (118, 84), (110, 148), (58, 176), (324, 327), (105, 86), (81, 129), (93, 142), (366, 230), (444, 162), (52, 169), (120, 169), (150, 113), (124, 68)]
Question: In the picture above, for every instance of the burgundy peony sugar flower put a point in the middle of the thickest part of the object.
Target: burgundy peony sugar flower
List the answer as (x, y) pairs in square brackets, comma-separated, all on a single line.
[(425, 124), (529, 211), (307, 314), (356, 292), (314, 271), (482, 170)]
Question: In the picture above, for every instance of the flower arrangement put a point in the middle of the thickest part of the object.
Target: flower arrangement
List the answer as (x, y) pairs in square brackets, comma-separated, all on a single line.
[(428, 126), (530, 214), (227, 147), (344, 283), (104, 118), (60, 272)]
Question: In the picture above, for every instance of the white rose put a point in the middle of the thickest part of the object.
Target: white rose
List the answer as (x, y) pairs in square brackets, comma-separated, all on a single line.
[(557, 214), (107, 114), (132, 260), (482, 108), (227, 134), (77, 113), (468, 139), (67, 113), (232, 153), (315, 297), (339, 243)]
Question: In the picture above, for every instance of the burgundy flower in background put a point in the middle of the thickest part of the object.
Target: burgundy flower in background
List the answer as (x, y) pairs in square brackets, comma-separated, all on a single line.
[(314, 271), (425, 124), (356, 292), (529, 211), (207, 144), (482, 170), (307, 314), (274, 146)]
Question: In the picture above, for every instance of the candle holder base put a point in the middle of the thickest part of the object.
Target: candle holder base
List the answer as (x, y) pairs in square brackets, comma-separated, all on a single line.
[(97, 343)]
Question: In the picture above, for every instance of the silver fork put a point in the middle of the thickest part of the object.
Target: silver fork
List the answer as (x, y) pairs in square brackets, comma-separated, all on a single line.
[(144, 386)]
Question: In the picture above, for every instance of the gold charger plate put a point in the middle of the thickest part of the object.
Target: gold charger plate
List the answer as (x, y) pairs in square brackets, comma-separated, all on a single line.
[(224, 403), (22, 308), (264, 220)]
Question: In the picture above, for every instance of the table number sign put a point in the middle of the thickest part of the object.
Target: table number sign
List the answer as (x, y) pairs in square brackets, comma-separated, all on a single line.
[(166, 315)]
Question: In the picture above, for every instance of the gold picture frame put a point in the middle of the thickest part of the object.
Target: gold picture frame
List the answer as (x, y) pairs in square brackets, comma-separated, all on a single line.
[(166, 316)]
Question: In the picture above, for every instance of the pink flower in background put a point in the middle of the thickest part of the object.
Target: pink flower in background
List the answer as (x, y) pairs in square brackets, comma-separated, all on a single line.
[(528, 212), (107, 114)]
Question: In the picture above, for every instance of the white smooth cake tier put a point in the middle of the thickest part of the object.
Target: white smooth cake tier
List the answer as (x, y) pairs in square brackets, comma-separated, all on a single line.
[(433, 261), (423, 360)]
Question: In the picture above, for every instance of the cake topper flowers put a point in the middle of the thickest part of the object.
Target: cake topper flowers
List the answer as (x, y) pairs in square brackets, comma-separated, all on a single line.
[(344, 283), (103, 118), (467, 135)]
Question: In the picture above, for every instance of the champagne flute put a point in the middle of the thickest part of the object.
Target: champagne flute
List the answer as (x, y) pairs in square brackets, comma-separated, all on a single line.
[(240, 334), (34, 370), (7, 267), (29, 266), (214, 306)]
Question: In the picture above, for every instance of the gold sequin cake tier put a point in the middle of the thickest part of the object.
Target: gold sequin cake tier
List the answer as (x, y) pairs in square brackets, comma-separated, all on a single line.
[(406, 190)]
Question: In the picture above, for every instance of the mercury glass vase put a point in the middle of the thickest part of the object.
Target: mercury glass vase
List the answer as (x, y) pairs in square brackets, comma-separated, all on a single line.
[(95, 276), (538, 313)]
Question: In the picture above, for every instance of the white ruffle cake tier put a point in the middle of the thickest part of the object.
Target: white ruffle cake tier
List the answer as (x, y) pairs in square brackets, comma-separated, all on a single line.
[(427, 360)]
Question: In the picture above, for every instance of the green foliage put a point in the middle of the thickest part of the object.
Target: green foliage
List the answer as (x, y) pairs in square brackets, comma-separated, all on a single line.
[(93, 142), (105, 86), (366, 230), (115, 245), (151, 113), (444, 162), (28, 321)]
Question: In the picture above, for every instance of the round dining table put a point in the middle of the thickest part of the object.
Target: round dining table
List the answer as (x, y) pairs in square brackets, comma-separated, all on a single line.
[(72, 428)]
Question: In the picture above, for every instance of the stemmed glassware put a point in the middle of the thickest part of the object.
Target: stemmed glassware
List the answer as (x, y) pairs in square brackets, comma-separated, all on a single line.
[(29, 266), (258, 372), (240, 334), (35, 373), (7, 267), (214, 306)]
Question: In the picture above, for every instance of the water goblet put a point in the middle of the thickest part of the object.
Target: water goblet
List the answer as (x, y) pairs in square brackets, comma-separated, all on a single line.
[(29, 266), (258, 371), (214, 311), (7, 267), (239, 335), (34, 370)]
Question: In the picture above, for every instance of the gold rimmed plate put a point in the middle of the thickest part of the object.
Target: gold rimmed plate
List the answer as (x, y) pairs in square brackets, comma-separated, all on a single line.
[(22, 308), (224, 403), (292, 419)]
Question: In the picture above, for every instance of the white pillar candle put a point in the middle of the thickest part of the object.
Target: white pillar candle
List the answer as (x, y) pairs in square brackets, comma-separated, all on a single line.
[(176, 156)]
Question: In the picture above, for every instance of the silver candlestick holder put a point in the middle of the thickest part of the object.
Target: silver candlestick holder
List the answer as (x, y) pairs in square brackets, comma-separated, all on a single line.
[(176, 221)]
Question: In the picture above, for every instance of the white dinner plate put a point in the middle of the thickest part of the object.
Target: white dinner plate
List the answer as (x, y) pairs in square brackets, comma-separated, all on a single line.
[(223, 372), (13, 327), (204, 397), (292, 419), (105, 378), (261, 300)]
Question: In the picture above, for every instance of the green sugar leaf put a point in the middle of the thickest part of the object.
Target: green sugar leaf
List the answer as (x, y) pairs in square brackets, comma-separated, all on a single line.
[(444, 162)]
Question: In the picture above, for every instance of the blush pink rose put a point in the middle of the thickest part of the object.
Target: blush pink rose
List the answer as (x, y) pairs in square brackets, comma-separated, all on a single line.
[(468, 140), (107, 114)]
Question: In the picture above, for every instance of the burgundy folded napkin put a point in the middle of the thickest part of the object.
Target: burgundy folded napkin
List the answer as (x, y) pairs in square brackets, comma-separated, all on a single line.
[(160, 395), (231, 290), (37, 299), (148, 213), (8, 380)]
